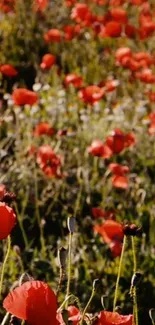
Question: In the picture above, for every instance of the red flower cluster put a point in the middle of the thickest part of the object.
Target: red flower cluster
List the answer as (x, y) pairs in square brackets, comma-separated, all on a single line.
[(48, 161), (33, 301), (22, 96), (112, 234), (119, 179), (114, 144)]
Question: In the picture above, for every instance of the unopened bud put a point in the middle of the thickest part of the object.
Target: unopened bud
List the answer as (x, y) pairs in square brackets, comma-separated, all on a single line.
[(152, 315), (62, 255), (136, 279), (71, 223)]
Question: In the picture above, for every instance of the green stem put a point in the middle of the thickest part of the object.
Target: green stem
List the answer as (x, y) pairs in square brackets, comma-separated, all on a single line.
[(119, 274), (88, 303), (135, 306), (20, 217), (42, 241), (69, 266), (5, 318), (4, 263)]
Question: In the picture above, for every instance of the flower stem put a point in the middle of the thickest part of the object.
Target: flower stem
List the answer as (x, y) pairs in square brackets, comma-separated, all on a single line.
[(135, 306), (88, 303), (69, 266), (119, 274), (5, 318), (42, 240), (4, 263)]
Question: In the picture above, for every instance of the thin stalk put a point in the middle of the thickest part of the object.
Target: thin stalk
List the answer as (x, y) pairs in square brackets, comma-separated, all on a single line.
[(21, 225), (4, 263), (42, 241), (88, 303), (119, 274), (5, 318), (61, 277), (69, 266), (135, 306)]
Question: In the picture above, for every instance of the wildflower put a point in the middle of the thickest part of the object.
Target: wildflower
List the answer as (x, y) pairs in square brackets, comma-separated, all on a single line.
[(112, 29), (22, 96), (7, 220), (52, 35), (8, 70), (43, 128), (73, 79), (91, 94), (119, 14), (48, 161), (97, 148), (33, 301), (48, 60), (119, 180), (112, 234), (113, 318)]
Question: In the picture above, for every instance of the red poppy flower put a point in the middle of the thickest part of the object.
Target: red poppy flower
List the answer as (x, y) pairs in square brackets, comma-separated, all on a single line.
[(119, 180), (110, 230), (113, 29), (74, 316), (73, 79), (111, 85), (48, 60), (146, 75), (7, 220), (116, 142), (71, 31), (130, 140), (52, 35), (118, 169), (91, 94), (43, 128), (48, 161), (151, 96), (119, 14), (123, 53), (8, 70), (99, 149), (80, 12), (22, 96), (112, 318), (101, 213), (33, 301)]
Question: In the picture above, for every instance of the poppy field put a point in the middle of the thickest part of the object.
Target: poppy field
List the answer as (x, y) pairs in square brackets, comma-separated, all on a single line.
[(77, 162)]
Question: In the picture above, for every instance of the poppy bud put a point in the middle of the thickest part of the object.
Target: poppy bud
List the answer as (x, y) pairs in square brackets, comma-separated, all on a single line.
[(71, 223), (64, 314), (136, 279), (152, 315), (62, 255)]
